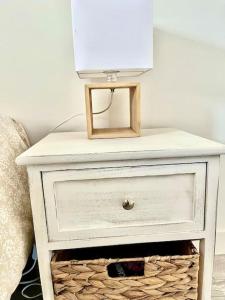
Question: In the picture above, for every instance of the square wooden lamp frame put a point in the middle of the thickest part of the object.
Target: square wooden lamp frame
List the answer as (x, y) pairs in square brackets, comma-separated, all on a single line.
[(100, 133)]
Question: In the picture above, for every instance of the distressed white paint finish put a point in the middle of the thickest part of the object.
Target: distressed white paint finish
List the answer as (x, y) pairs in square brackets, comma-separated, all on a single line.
[(72, 176), (41, 235), (153, 143), (130, 239), (207, 245), (167, 198)]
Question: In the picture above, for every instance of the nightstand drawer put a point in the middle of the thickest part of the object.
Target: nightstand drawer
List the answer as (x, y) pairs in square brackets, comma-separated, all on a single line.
[(92, 203)]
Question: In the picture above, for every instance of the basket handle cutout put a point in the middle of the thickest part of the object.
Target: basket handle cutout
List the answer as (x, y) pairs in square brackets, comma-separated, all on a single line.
[(126, 269)]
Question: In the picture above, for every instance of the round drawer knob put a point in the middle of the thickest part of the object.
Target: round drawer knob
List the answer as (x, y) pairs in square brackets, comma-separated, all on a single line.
[(128, 205)]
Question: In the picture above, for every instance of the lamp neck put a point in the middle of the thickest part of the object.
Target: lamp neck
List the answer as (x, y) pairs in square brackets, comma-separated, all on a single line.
[(112, 76)]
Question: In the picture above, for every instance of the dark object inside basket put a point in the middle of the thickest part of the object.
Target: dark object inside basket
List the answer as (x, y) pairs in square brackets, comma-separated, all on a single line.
[(128, 251), (126, 269)]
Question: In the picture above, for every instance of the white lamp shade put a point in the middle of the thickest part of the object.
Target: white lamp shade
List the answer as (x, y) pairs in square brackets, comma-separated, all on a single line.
[(112, 35)]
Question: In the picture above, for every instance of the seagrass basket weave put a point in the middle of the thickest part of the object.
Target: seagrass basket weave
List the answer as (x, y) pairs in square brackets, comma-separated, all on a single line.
[(171, 277)]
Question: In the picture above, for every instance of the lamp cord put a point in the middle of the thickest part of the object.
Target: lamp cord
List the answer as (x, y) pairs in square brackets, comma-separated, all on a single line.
[(81, 114), (30, 297), (32, 282), (110, 104), (65, 121)]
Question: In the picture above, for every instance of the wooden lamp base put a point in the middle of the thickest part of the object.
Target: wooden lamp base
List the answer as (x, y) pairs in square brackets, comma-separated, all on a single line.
[(103, 133)]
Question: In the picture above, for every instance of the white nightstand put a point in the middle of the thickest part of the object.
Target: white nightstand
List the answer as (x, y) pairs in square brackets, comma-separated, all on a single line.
[(162, 186)]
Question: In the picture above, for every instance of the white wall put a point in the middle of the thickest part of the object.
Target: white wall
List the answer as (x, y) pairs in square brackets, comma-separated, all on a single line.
[(186, 88)]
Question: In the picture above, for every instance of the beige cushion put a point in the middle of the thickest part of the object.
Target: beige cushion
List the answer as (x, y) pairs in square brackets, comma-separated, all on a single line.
[(16, 231)]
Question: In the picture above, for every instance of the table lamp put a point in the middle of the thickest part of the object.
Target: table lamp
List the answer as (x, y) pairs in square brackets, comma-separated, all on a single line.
[(112, 39)]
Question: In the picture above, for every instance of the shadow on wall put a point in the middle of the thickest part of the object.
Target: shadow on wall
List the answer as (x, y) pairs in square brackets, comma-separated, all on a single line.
[(186, 88)]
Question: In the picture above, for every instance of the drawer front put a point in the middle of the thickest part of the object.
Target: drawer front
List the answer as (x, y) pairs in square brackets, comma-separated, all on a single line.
[(88, 203)]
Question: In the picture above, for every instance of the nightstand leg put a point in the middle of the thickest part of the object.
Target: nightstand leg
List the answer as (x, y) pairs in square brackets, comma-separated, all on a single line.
[(206, 269), (44, 259), (207, 245), (41, 234)]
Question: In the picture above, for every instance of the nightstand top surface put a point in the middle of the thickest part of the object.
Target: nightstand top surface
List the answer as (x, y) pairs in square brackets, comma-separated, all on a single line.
[(69, 147)]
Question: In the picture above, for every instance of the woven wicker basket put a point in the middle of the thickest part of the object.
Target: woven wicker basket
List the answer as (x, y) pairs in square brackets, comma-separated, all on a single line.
[(172, 277)]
